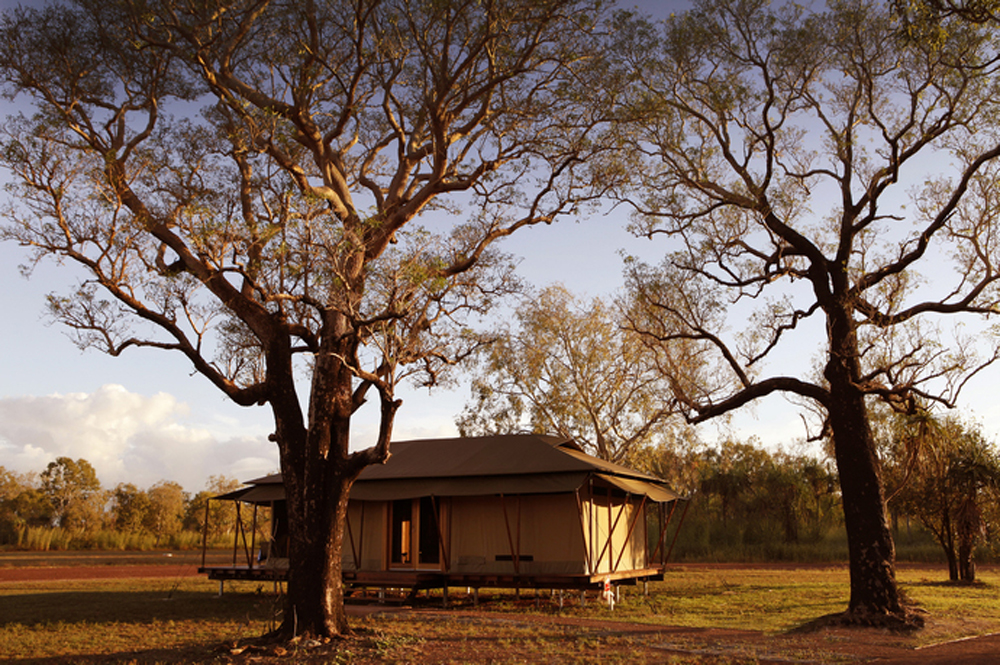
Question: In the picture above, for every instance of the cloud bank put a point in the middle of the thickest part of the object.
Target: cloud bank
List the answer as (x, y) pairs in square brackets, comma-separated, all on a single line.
[(127, 437)]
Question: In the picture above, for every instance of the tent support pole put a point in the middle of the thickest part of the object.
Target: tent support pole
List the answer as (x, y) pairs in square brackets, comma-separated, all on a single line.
[(350, 536), (514, 554), (236, 532), (204, 535), (612, 525), (677, 532), (590, 514), (583, 533), (440, 534), (253, 537), (663, 530)]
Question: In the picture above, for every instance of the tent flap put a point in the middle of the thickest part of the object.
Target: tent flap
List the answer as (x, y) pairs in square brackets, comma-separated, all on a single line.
[(656, 493)]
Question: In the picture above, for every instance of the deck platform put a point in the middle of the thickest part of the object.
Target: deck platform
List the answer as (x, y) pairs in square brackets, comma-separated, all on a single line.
[(432, 579)]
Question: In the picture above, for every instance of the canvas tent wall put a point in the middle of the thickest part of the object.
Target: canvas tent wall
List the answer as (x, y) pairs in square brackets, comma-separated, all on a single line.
[(522, 510)]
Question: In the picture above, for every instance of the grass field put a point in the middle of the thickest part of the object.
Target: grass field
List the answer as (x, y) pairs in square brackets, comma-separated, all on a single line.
[(182, 619)]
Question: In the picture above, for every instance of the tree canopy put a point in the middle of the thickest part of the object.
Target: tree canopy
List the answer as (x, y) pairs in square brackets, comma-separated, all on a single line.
[(569, 367), (811, 164), (242, 182), (946, 474)]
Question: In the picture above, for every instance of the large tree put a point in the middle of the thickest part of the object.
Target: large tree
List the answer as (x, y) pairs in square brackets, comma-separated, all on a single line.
[(823, 177), (569, 367), (241, 182)]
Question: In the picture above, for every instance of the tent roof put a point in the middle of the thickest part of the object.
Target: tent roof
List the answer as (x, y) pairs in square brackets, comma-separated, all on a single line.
[(510, 464)]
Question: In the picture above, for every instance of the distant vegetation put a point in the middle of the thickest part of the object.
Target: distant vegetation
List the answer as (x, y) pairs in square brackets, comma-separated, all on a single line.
[(747, 503), (65, 507), (750, 504)]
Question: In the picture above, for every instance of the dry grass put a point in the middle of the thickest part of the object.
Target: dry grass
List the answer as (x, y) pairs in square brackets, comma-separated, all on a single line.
[(183, 620)]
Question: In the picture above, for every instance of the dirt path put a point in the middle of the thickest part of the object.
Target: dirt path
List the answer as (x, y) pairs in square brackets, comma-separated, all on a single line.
[(25, 574)]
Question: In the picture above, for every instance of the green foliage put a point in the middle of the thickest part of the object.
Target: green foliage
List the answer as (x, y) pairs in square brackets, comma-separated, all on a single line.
[(947, 476), (74, 490), (163, 516), (22, 505), (570, 367), (130, 505)]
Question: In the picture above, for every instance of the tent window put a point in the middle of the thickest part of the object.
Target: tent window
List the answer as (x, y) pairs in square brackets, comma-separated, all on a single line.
[(414, 539), (402, 522), (429, 551)]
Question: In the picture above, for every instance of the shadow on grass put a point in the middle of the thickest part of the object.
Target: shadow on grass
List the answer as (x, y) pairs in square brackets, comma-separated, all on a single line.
[(129, 626), (69, 607), (207, 654)]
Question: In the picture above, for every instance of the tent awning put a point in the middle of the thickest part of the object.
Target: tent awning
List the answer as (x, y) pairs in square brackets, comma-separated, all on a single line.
[(255, 494), (655, 492), (411, 488)]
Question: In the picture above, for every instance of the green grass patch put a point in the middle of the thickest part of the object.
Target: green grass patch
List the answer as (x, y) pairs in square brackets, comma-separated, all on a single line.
[(772, 599)]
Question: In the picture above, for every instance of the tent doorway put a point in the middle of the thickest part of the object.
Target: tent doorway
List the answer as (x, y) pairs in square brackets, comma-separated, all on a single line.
[(414, 541)]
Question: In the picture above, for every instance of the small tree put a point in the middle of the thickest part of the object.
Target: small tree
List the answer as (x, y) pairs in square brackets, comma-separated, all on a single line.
[(165, 515), (22, 505), (570, 368), (129, 508), (74, 490), (947, 485), (221, 514)]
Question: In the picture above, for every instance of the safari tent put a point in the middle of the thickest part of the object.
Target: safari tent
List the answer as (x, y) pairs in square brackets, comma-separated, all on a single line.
[(499, 511)]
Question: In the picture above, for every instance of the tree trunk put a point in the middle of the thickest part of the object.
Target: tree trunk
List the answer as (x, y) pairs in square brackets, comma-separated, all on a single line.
[(317, 515), (969, 525), (318, 472), (872, 551), (948, 543)]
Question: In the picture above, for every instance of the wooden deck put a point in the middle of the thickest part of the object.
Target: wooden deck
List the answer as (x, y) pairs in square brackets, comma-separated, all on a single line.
[(261, 573), (432, 579)]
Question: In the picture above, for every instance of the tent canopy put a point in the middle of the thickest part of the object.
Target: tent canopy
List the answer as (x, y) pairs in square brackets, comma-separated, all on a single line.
[(491, 465)]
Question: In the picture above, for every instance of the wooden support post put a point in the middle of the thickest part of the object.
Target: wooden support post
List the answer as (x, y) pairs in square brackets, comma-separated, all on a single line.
[(204, 535), (253, 538)]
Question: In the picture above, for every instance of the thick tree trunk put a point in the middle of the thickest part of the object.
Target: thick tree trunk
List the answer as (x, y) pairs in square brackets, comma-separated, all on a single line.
[(871, 548), (318, 472), (317, 515)]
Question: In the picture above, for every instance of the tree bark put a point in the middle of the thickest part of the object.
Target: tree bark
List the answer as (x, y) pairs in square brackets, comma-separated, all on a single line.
[(318, 473), (872, 551), (317, 514)]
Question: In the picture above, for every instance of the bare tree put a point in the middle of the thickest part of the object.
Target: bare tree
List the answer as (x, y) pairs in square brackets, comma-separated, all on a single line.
[(812, 165), (569, 367), (241, 181)]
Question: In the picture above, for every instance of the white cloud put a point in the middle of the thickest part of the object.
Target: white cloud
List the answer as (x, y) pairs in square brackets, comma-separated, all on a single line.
[(127, 437)]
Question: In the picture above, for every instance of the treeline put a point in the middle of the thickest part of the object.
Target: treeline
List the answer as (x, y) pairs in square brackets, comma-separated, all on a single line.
[(942, 478), (65, 507), (747, 503)]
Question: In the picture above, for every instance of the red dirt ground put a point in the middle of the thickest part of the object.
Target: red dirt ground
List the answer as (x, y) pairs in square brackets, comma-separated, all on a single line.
[(660, 642)]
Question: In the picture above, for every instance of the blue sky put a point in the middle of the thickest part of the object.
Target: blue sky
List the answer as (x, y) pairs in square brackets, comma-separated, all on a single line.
[(146, 417)]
